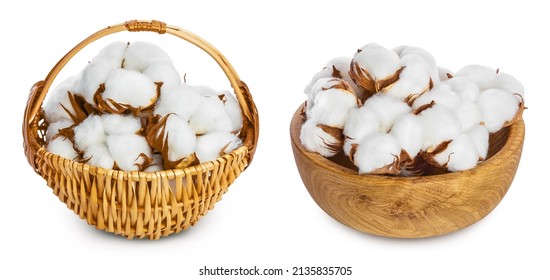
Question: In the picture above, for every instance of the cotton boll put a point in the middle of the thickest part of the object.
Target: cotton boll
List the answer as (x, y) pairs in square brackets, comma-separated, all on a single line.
[(336, 68), (374, 67), (53, 107), (387, 108), (89, 132), (63, 147), (141, 55), (482, 76), (119, 124), (440, 125), (444, 73), (461, 154), (332, 107), (130, 88), (113, 53), (378, 153), (127, 150), (92, 76), (509, 83), (362, 122), (419, 54), (322, 83), (468, 113), (464, 88), (181, 138), (99, 155), (480, 137), (321, 139), (205, 90), (497, 106), (233, 110), (183, 100), (414, 79), (210, 116), (53, 128), (442, 95), (409, 133), (213, 145), (163, 72)]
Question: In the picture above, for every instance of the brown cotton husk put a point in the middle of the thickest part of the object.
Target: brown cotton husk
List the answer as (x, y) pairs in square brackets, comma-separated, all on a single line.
[(422, 108), (352, 152), (429, 155), (82, 109), (157, 137), (147, 161), (336, 133), (391, 169), (110, 106), (366, 81)]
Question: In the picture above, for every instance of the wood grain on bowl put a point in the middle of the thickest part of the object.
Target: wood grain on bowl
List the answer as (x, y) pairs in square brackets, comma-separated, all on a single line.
[(410, 207)]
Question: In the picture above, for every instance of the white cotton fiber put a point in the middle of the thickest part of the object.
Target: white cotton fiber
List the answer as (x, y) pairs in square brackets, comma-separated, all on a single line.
[(118, 124), (440, 125), (480, 137), (53, 108), (163, 72), (232, 109), (408, 130), (131, 88), (183, 100), (468, 113), (99, 155), (375, 152), (210, 116), (508, 83), (315, 139), (414, 79), (336, 68), (332, 107), (482, 76), (92, 76), (463, 87), (213, 145), (126, 149), (181, 138), (362, 122), (63, 147), (461, 154), (113, 53), (442, 95), (205, 90), (156, 165), (89, 132), (420, 55), (497, 106), (141, 55), (53, 128), (387, 108), (444, 73), (378, 61)]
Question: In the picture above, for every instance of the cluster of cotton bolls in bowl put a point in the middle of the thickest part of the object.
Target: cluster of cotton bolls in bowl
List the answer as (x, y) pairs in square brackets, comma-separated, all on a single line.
[(395, 112), (129, 109)]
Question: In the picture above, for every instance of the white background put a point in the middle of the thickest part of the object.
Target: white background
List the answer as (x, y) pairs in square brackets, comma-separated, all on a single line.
[(268, 218)]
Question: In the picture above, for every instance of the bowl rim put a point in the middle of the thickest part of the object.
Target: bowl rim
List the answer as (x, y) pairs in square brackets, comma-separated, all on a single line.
[(512, 146)]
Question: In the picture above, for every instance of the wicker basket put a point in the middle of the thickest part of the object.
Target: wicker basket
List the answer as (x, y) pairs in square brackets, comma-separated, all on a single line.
[(139, 204), (410, 207)]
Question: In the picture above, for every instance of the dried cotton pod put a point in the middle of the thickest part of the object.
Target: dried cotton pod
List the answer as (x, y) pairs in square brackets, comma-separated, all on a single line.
[(336, 68), (129, 89), (99, 155), (90, 132), (460, 154), (54, 128), (57, 105), (440, 126), (232, 109), (333, 104), (387, 108), (377, 153), (63, 147), (130, 152), (215, 144), (183, 101), (322, 139), (498, 107)]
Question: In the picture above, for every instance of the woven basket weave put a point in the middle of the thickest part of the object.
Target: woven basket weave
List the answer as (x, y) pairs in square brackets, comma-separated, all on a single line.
[(139, 204)]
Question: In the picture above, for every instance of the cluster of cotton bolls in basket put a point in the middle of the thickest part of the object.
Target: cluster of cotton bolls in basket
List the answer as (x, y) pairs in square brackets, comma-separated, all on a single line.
[(128, 109), (396, 112)]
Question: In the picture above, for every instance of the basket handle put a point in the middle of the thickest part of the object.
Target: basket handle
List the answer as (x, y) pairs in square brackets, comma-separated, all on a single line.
[(39, 90)]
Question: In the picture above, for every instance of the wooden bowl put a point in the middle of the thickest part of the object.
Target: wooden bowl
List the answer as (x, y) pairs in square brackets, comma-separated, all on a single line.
[(409, 207)]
